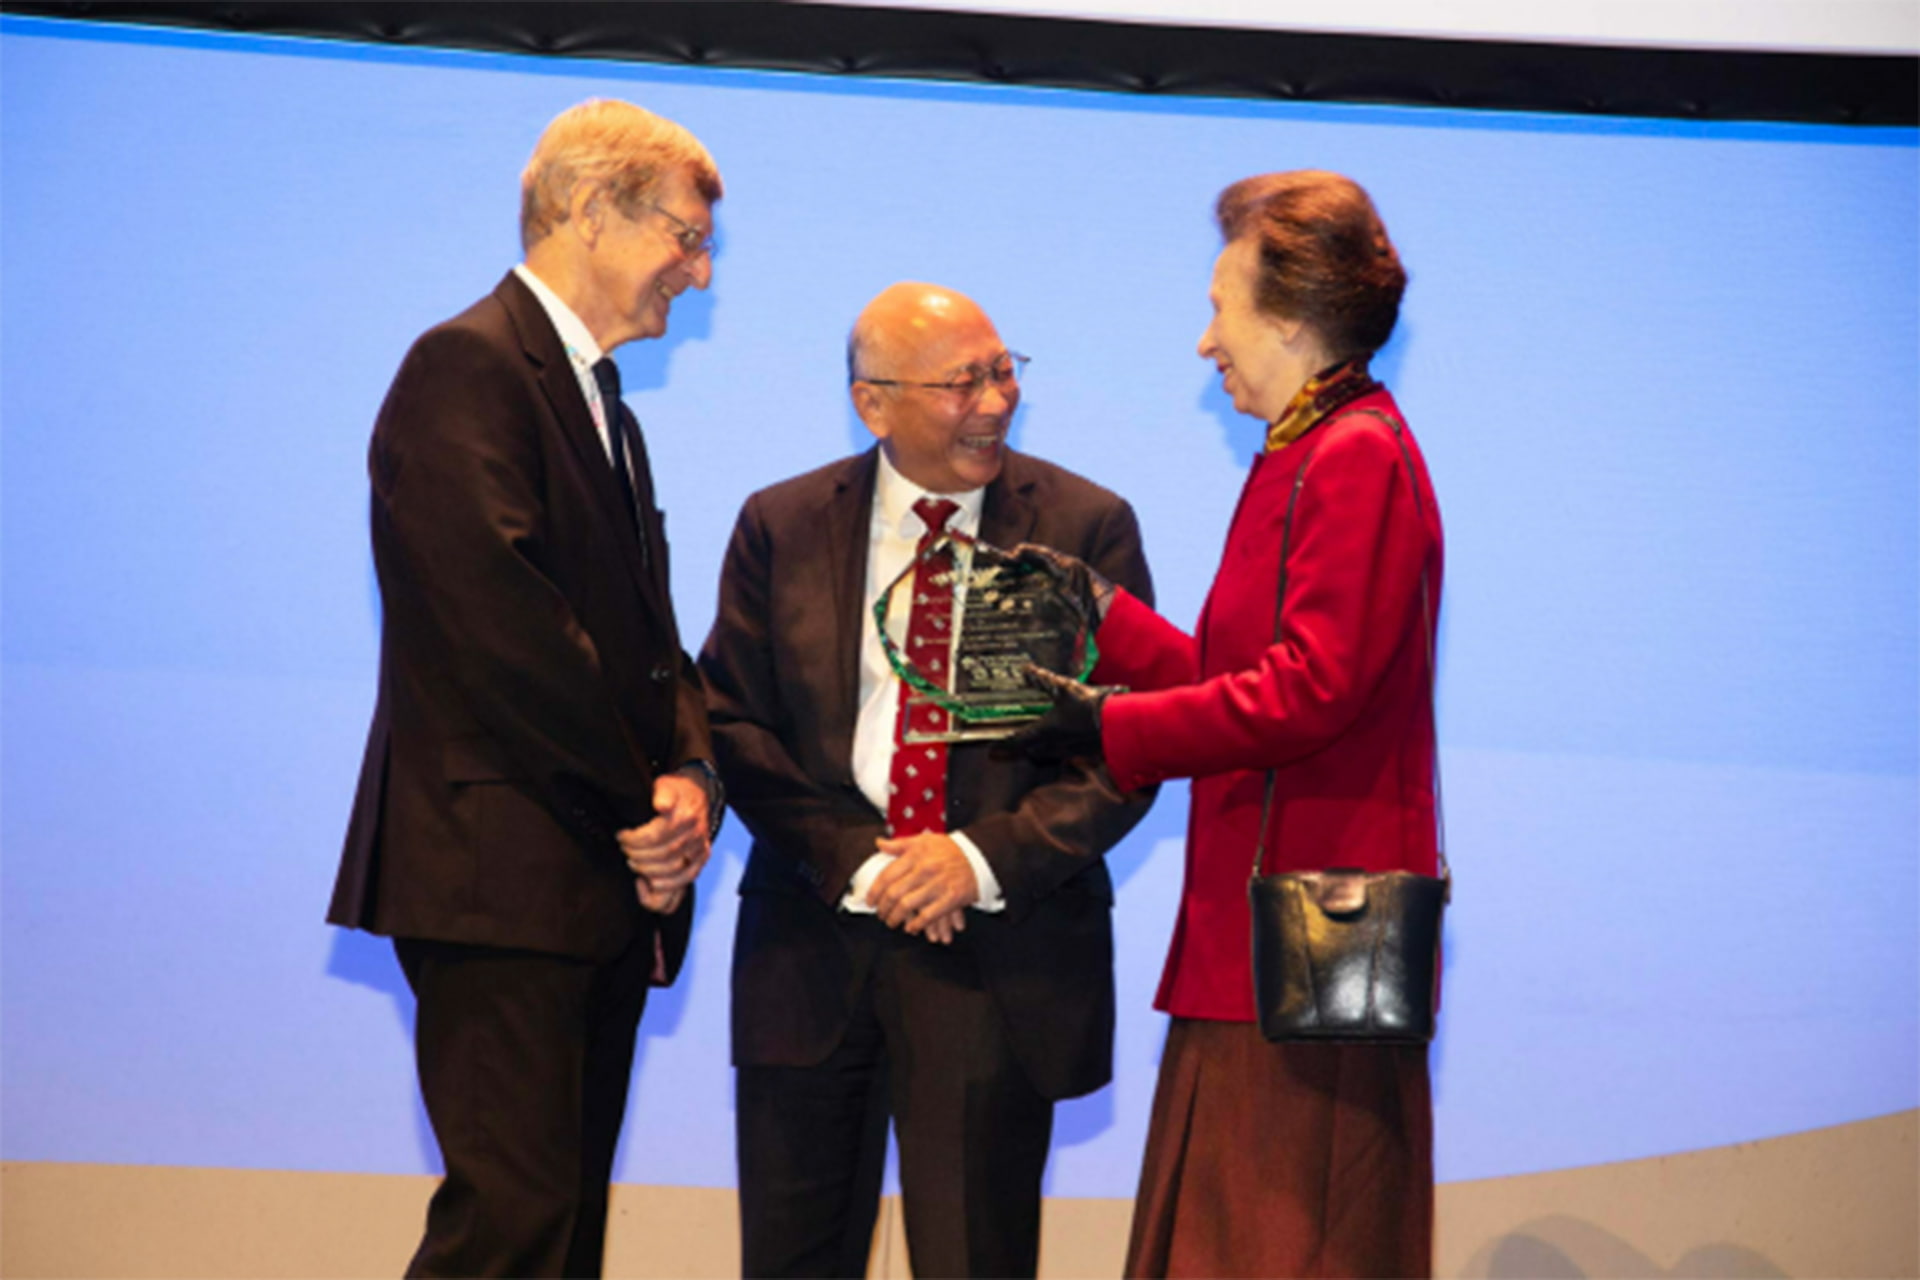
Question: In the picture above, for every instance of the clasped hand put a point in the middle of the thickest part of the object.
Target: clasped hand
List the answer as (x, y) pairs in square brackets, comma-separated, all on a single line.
[(667, 852), (927, 888)]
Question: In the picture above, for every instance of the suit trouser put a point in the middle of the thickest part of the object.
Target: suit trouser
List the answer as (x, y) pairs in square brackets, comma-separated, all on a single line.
[(926, 1044), (524, 1062)]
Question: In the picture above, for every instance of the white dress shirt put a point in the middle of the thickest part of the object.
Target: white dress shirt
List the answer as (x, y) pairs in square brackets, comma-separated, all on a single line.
[(582, 351), (892, 538)]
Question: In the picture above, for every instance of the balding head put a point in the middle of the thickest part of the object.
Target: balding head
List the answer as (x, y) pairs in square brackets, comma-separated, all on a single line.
[(903, 320), (909, 356)]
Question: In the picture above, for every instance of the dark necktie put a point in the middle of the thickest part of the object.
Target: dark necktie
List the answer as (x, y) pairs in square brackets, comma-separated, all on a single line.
[(607, 374), (917, 783)]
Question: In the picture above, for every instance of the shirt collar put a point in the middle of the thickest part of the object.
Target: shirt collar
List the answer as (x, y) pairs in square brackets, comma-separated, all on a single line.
[(894, 496), (582, 350)]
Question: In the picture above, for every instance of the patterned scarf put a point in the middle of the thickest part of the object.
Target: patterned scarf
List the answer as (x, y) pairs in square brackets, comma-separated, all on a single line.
[(1326, 392)]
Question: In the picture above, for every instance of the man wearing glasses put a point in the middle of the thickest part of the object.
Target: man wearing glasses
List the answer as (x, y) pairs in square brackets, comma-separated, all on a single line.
[(924, 933), (537, 795)]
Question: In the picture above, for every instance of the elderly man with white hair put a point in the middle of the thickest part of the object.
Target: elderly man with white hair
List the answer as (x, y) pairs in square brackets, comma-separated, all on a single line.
[(537, 795)]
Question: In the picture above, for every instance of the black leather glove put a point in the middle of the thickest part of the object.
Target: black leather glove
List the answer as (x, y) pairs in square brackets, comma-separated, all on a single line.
[(1071, 729), (1078, 580)]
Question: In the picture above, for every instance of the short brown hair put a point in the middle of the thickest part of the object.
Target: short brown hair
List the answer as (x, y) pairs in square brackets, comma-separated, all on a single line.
[(604, 140), (1324, 255)]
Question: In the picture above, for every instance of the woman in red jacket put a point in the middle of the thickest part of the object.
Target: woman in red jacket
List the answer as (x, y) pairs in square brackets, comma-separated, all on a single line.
[(1285, 1159)]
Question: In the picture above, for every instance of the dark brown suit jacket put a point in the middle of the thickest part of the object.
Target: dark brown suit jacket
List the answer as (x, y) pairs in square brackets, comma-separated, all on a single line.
[(782, 668), (532, 683)]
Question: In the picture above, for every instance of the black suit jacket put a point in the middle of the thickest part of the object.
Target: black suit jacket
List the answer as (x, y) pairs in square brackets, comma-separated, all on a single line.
[(782, 669), (532, 683)]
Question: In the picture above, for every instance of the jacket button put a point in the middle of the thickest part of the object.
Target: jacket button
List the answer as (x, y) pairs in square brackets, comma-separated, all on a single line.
[(662, 673)]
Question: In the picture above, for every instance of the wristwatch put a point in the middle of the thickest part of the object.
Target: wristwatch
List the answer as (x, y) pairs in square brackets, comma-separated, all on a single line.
[(716, 795)]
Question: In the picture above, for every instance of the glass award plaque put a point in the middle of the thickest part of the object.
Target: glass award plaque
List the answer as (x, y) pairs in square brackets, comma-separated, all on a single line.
[(1003, 614)]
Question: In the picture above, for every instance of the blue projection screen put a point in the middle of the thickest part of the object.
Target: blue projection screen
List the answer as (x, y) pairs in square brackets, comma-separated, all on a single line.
[(1665, 375)]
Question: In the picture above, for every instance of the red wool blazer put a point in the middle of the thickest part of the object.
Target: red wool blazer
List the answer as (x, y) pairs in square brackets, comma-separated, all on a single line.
[(1339, 707)]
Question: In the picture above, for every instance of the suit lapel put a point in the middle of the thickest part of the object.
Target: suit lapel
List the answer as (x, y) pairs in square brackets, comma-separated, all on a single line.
[(1007, 514), (548, 355), (654, 563), (848, 518)]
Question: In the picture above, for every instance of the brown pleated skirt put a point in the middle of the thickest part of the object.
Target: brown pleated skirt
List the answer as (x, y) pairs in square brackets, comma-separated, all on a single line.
[(1285, 1160)]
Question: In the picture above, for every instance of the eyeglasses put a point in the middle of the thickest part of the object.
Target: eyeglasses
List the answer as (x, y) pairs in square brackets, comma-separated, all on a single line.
[(971, 381), (692, 240)]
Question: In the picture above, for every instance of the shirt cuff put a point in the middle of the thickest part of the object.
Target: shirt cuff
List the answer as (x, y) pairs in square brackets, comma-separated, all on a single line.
[(991, 899), (855, 900)]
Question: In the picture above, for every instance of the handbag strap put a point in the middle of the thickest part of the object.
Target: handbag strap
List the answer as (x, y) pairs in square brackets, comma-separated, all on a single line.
[(1426, 609), (1431, 628), (1286, 544)]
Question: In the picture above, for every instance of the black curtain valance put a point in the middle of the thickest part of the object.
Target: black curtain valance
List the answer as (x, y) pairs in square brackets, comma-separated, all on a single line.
[(1117, 57)]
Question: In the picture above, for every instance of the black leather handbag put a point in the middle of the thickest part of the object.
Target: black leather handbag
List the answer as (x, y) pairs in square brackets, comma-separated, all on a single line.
[(1345, 954)]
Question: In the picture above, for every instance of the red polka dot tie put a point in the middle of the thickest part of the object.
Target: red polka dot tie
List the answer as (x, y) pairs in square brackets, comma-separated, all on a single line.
[(917, 786)]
